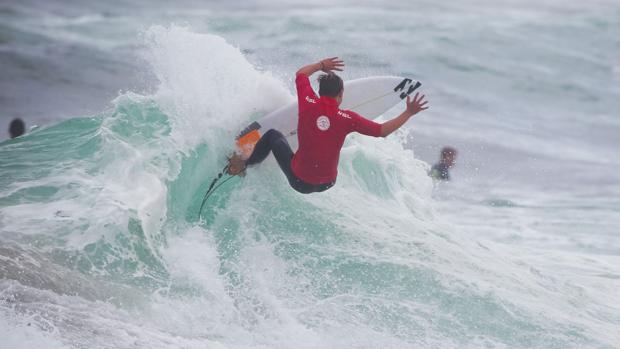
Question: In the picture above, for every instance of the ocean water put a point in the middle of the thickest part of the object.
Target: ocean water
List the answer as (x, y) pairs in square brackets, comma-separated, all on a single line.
[(136, 105)]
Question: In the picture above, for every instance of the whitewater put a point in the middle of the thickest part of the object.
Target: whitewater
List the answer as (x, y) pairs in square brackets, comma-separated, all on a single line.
[(102, 246)]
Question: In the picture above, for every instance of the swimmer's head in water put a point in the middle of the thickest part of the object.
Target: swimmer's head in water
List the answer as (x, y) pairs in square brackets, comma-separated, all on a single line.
[(17, 128), (448, 156)]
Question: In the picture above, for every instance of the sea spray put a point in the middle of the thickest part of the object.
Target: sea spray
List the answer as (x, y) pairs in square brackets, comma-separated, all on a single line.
[(206, 85)]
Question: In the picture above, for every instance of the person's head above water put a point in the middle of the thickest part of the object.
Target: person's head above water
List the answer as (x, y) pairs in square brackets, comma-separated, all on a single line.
[(448, 156), (17, 128), (331, 85)]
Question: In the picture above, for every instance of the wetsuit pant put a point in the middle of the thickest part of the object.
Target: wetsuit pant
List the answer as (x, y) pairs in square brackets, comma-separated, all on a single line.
[(274, 141)]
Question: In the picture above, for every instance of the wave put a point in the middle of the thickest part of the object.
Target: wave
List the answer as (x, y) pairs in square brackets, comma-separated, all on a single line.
[(102, 245)]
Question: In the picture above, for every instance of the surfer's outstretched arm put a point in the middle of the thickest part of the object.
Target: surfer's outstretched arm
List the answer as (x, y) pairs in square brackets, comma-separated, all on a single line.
[(413, 107), (326, 65)]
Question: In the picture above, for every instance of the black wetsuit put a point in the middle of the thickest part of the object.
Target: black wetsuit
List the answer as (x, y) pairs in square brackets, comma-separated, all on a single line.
[(274, 141), (440, 171)]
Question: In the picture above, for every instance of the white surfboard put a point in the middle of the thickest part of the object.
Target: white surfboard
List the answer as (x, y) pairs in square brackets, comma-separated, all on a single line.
[(369, 97)]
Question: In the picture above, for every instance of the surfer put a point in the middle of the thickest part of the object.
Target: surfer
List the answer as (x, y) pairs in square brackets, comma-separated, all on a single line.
[(17, 128), (321, 131), (441, 170)]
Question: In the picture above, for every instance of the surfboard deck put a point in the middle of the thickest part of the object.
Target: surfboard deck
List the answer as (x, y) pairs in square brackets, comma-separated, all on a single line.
[(369, 97)]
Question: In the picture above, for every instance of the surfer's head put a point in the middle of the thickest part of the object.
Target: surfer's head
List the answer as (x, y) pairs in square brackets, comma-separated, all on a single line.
[(17, 128), (330, 85), (448, 156)]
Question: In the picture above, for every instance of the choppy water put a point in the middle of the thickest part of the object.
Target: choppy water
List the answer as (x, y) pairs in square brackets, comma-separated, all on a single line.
[(101, 247)]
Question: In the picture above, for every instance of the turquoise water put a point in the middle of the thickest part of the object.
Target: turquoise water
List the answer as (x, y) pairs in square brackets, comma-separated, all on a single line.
[(102, 247)]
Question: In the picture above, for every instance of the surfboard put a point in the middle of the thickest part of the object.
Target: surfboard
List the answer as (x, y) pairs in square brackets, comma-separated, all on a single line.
[(369, 97)]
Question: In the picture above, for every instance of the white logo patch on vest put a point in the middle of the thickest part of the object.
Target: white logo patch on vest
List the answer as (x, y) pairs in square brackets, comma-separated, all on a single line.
[(322, 123)]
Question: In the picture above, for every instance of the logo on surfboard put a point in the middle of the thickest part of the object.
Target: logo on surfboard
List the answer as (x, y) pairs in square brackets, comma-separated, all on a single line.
[(403, 84), (322, 123)]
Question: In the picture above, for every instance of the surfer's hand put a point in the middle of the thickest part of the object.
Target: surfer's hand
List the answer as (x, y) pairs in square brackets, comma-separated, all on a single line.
[(236, 165), (416, 105), (333, 63)]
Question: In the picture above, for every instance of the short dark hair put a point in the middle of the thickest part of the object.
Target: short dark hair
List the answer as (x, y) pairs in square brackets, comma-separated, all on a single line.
[(330, 85), (448, 151)]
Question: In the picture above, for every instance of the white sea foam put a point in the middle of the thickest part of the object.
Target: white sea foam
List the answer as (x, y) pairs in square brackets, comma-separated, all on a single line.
[(207, 85)]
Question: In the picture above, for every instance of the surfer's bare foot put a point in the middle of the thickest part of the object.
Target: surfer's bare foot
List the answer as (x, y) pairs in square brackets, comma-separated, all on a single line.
[(236, 165)]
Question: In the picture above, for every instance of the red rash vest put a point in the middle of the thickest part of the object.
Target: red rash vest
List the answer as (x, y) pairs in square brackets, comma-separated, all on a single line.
[(321, 130)]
